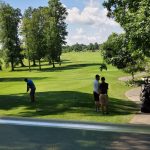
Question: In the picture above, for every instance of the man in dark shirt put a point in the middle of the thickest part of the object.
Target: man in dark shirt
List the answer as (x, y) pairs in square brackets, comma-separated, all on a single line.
[(31, 86), (103, 87)]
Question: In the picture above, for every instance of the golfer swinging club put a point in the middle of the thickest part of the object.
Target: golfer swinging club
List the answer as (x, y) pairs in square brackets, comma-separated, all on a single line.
[(31, 86)]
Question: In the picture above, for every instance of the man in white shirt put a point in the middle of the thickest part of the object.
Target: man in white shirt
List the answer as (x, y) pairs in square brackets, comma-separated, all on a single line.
[(96, 92)]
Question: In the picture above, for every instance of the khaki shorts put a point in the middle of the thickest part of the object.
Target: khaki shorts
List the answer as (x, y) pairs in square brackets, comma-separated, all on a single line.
[(103, 98)]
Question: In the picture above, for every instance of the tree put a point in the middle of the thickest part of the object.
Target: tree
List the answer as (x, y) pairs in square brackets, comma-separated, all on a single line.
[(37, 34), (56, 29), (118, 52), (53, 41), (26, 33), (91, 46), (134, 17), (9, 23), (33, 31), (96, 46)]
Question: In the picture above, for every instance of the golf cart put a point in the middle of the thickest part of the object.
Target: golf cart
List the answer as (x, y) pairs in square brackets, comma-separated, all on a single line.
[(145, 95)]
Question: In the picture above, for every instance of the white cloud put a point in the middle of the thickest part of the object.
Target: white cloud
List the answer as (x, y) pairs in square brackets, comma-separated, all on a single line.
[(81, 36), (90, 24), (90, 15), (80, 31)]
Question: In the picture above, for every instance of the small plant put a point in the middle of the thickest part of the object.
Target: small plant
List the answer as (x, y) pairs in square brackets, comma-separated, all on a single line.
[(103, 67), (134, 83)]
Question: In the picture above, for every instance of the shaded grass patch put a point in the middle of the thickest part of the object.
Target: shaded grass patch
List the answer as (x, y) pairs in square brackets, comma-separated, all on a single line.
[(61, 102)]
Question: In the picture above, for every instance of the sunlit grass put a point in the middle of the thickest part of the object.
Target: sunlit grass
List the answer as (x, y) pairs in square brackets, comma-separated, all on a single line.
[(65, 92)]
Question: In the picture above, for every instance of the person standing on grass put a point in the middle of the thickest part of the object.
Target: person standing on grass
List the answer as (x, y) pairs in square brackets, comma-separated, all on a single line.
[(96, 92), (31, 86), (103, 97)]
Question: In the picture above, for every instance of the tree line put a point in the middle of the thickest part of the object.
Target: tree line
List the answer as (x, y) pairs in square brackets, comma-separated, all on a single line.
[(37, 34), (130, 50), (81, 47)]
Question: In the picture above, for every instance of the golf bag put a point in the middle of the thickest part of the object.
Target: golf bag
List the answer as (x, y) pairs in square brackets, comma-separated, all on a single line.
[(145, 98)]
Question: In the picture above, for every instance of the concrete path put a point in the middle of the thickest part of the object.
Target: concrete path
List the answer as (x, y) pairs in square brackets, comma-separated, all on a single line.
[(127, 78), (134, 95), (31, 134), (139, 118)]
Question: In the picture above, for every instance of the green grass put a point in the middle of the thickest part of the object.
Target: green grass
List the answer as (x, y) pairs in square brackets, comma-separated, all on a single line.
[(65, 92)]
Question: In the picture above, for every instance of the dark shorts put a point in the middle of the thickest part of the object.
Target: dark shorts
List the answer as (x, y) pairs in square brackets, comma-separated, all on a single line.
[(32, 92), (96, 96)]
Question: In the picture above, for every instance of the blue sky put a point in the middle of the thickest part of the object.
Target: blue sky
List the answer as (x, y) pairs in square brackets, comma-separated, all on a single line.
[(87, 21)]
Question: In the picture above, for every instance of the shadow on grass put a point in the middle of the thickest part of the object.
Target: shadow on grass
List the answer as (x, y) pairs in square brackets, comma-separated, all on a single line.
[(59, 102), (43, 63), (59, 68), (10, 79)]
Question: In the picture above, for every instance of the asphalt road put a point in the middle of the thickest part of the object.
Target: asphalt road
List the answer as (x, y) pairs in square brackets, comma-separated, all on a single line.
[(31, 134)]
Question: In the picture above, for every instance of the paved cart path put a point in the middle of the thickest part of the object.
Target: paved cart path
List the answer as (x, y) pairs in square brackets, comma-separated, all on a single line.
[(127, 78), (140, 118), (31, 134), (134, 95)]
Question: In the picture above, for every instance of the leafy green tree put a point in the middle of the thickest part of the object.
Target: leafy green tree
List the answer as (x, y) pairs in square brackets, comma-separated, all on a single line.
[(33, 31), (38, 44), (56, 29), (26, 33), (81, 47), (118, 52), (91, 46), (52, 41), (96, 46), (134, 17), (9, 24), (77, 47)]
